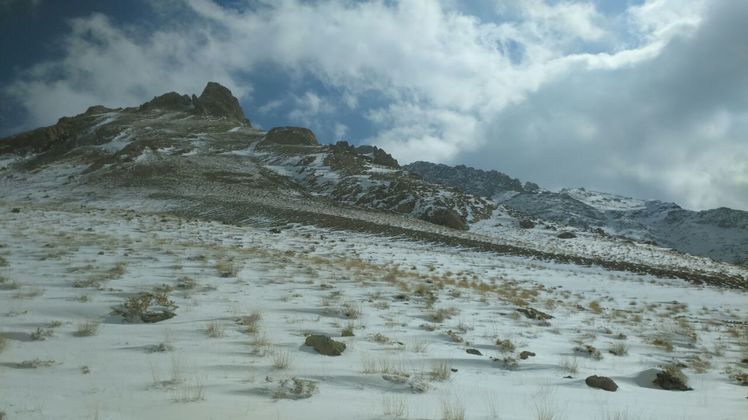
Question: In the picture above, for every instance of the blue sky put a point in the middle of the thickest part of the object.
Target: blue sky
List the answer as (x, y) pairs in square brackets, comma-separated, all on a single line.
[(642, 98)]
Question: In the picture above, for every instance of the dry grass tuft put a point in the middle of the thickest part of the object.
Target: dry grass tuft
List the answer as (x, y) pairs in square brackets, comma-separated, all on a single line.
[(452, 410), (394, 406), (282, 359), (87, 329), (441, 371), (215, 329)]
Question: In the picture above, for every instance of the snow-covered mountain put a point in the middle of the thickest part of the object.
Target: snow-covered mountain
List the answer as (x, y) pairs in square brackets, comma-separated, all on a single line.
[(721, 234), (287, 276), (200, 156)]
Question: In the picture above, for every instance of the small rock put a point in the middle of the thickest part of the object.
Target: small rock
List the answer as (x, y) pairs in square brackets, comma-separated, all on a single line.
[(325, 345), (15, 210), (602, 382), (566, 235), (474, 351), (526, 354)]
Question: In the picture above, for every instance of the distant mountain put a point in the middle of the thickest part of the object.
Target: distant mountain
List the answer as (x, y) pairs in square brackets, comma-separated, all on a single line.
[(721, 234)]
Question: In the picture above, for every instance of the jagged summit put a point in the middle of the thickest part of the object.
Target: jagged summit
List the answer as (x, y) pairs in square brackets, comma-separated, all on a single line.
[(215, 101)]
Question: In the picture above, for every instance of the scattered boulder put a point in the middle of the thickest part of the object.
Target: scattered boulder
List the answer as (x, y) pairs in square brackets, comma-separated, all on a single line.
[(445, 217), (566, 235), (15, 210), (474, 351), (534, 314), (526, 354), (294, 136), (602, 382), (672, 379), (325, 345), (526, 224)]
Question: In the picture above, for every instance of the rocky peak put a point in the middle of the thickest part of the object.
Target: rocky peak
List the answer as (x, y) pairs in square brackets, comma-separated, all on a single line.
[(217, 100)]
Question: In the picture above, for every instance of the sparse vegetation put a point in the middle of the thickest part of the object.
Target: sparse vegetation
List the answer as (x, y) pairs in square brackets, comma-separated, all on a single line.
[(281, 359), (146, 307), (452, 410), (619, 349), (570, 365), (442, 314), (505, 346), (347, 330), (41, 334), (251, 322), (227, 268), (214, 329), (295, 389), (394, 406), (87, 329), (441, 371)]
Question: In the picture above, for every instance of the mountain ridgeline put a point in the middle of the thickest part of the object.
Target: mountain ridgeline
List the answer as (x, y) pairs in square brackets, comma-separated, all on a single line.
[(721, 234), (201, 152)]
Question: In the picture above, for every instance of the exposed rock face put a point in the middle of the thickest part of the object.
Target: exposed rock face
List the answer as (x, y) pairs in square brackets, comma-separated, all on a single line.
[(470, 180), (601, 382), (298, 136), (215, 101), (325, 345), (171, 101), (218, 101), (378, 156)]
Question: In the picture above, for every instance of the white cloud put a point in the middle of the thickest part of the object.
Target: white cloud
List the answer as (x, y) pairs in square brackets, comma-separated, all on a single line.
[(450, 82)]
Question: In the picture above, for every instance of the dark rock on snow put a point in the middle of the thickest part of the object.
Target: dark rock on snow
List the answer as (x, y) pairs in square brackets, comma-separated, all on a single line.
[(325, 345), (602, 382)]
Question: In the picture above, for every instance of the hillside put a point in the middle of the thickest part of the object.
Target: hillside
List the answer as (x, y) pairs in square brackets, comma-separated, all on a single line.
[(172, 261)]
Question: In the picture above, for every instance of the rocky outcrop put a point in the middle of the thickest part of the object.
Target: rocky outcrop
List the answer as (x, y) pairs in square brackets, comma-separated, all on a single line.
[(293, 136), (217, 101), (471, 180), (445, 217), (169, 101), (378, 156)]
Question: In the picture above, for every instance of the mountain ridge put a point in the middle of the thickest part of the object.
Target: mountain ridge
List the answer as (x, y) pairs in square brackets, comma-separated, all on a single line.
[(196, 145)]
